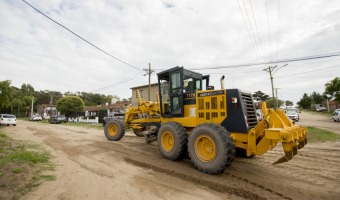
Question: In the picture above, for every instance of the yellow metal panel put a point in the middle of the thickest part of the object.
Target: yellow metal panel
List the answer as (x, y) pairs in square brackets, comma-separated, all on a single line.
[(184, 121), (211, 107)]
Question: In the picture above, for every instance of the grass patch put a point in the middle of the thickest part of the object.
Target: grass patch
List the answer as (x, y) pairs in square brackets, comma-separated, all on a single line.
[(320, 135), (23, 166), (324, 113), (98, 126), (17, 170)]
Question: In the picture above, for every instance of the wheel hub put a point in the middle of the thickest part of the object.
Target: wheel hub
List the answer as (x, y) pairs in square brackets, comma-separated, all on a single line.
[(205, 148), (113, 130), (167, 141)]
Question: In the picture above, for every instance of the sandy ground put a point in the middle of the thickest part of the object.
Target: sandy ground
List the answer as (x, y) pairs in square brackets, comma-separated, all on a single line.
[(319, 121), (91, 167)]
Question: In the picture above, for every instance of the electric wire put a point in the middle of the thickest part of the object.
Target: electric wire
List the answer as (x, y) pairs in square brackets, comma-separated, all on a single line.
[(88, 42), (258, 35), (252, 31), (235, 72), (307, 71), (245, 23), (273, 62), (270, 44), (118, 82), (278, 29)]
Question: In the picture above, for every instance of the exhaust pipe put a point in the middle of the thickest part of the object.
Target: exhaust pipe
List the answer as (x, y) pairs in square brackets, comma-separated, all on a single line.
[(222, 82)]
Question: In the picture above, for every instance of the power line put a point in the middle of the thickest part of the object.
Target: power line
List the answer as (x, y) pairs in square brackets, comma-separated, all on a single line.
[(82, 37), (258, 35), (235, 72), (278, 29), (270, 44), (308, 71), (118, 82), (245, 23), (273, 62), (252, 31)]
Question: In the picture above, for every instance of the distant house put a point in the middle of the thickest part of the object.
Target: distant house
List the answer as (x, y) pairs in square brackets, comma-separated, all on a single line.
[(143, 90), (100, 111), (46, 110), (332, 105)]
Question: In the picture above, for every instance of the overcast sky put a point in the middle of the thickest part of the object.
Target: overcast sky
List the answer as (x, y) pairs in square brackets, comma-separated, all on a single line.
[(194, 34)]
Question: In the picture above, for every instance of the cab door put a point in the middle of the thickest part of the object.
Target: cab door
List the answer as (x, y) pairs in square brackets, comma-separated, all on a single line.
[(176, 92)]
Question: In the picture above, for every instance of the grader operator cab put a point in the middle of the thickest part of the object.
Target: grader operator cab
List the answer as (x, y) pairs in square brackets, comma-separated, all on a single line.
[(212, 125)]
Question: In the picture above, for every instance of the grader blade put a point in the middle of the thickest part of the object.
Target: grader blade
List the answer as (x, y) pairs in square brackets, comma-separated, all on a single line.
[(288, 148), (281, 129)]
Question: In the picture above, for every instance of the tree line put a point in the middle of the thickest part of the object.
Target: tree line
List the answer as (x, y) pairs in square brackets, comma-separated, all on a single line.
[(332, 92), (18, 101)]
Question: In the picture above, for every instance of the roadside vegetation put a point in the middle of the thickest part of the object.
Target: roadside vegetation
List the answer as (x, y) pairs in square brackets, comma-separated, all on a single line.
[(320, 135), (23, 166)]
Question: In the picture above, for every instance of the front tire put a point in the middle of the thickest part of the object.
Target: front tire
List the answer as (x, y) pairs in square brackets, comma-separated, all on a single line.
[(172, 140), (114, 130), (211, 148)]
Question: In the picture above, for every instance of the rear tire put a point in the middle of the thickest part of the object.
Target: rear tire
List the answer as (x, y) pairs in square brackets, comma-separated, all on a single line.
[(211, 148), (114, 130), (172, 140)]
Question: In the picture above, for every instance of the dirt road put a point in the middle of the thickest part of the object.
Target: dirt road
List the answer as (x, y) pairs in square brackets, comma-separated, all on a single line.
[(318, 120), (91, 167)]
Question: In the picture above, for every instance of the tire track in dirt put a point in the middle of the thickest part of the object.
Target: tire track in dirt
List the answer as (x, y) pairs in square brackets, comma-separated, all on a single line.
[(240, 182), (211, 185), (313, 174)]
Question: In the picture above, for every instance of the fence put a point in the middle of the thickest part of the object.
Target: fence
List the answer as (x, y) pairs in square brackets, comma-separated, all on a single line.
[(84, 120)]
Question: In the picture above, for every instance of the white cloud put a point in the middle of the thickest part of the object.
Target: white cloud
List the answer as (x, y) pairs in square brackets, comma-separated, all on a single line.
[(193, 34)]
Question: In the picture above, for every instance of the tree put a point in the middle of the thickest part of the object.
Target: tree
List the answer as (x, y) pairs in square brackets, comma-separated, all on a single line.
[(70, 104), (305, 102), (27, 89), (289, 103), (19, 106), (317, 98), (5, 94), (261, 96), (333, 88), (270, 103)]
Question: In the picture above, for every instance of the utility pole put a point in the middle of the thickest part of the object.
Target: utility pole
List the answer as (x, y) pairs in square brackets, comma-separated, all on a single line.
[(32, 107), (149, 72), (270, 70)]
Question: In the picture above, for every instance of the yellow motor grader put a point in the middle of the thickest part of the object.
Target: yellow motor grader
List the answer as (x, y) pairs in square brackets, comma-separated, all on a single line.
[(212, 125)]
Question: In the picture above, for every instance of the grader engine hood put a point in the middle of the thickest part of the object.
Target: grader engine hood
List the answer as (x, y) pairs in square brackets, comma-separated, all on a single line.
[(281, 129)]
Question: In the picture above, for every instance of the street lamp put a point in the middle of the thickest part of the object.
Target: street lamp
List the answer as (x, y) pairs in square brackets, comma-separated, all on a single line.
[(272, 71)]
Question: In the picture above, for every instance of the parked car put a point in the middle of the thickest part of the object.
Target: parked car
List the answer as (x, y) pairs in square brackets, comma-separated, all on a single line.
[(320, 107), (293, 114), (58, 119), (259, 114), (336, 116), (35, 118), (7, 119)]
